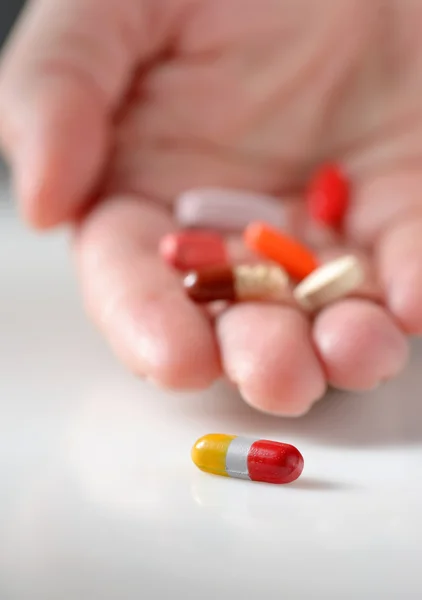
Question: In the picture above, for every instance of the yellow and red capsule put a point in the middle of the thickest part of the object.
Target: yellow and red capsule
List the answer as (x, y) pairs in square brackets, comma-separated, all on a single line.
[(243, 458)]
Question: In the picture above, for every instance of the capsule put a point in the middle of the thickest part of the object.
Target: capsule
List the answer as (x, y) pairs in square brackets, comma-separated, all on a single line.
[(237, 283), (226, 209), (243, 458), (330, 282), (298, 260), (328, 196), (188, 250)]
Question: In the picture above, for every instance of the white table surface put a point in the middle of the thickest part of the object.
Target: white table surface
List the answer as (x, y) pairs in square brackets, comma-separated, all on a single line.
[(99, 499)]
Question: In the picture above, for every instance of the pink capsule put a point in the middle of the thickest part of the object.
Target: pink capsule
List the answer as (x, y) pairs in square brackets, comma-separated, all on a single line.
[(227, 210), (187, 250)]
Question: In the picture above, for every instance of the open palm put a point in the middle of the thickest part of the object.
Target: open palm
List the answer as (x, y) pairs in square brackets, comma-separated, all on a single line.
[(110, 109)]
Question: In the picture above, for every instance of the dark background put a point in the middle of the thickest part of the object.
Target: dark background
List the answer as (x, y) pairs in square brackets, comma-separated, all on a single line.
[(9, 9)]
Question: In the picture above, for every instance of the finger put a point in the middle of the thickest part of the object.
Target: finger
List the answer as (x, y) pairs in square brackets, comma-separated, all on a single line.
[(399, 256), (65, 70), (359, 344), (267, 351), (381, 201), (387, 216), (137, 301)]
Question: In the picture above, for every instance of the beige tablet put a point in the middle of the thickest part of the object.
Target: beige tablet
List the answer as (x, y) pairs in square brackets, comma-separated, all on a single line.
[(330, 282)]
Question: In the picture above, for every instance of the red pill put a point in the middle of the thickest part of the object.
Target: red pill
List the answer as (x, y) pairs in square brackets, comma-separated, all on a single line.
[(274, 462), (188, 250), (328, 196)]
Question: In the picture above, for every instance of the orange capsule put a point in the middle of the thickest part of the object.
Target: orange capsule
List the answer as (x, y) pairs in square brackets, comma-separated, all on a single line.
[(242, 282), (293, 256), (188, 250)]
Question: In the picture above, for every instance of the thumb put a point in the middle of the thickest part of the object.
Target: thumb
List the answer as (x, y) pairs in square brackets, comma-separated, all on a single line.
[(66, 68)]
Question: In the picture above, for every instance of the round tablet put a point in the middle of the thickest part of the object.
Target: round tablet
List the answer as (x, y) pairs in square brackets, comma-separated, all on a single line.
[(330, 282)]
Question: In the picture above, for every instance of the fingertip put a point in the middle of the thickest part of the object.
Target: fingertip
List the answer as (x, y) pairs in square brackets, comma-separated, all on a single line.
[(400, 266), (267, 407), (404, 298), (56, 145), (267, 352), (166, 341), (184, 354), (359, 344)]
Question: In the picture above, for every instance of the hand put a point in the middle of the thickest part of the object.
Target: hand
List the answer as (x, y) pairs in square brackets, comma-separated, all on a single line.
[(129, 102)]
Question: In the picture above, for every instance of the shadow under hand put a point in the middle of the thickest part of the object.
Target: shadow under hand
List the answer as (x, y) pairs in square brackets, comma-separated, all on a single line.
[(390, 415)]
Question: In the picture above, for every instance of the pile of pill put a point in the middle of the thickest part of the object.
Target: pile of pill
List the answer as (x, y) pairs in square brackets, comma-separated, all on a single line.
[(289, 271)]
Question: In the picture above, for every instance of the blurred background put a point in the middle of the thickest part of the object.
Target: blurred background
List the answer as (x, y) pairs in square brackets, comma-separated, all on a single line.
[(9, 9)]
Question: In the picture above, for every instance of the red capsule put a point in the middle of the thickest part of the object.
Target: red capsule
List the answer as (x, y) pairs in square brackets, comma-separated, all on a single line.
[(328, 196), (188, 250), (274, 462), (211, 284)]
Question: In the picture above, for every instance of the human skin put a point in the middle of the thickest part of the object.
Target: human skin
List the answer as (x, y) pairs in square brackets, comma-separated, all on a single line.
[(110, 108)]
